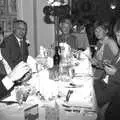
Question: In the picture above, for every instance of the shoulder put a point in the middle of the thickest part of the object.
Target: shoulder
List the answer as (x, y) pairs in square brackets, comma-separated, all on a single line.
[(9, 39), (9, 36), (111, 41)]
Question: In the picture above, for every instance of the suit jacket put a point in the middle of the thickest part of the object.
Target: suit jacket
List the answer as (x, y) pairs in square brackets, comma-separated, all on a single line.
[(12, 52), (3, 91)]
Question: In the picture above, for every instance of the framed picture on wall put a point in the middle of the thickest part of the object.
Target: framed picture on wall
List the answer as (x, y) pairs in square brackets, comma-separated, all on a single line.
[(12, 7), (2, 3)]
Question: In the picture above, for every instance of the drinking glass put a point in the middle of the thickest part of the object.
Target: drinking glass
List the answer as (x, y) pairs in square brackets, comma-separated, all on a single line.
[(19, 95)]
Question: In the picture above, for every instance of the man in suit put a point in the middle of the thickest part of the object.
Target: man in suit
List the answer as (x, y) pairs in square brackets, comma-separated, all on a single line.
[(15, 45), (8, 81), (110, 92)]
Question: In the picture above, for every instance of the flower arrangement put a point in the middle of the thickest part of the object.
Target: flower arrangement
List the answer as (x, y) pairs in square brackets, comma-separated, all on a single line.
[(57, 2), (59, 8)]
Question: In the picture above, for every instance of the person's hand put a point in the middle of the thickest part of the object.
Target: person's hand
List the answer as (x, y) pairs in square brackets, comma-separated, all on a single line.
[(106, 62), (19, 71), (27, 76), (110, 69)]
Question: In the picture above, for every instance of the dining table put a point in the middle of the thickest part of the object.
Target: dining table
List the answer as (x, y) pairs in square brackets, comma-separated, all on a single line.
[(56, 93)]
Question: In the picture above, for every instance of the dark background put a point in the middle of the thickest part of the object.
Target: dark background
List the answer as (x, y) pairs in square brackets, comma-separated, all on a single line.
[(95, 9)]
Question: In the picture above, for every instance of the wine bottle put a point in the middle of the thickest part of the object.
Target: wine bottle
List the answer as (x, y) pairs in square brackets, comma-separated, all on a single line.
[(56, 57)]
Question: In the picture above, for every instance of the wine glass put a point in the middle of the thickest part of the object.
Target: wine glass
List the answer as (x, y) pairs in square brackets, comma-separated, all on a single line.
[(19, 95)]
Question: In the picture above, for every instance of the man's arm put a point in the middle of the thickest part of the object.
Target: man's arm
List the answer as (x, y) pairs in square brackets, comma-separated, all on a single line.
[(106, 93), (6, 52), (5, 85), (7, 82)]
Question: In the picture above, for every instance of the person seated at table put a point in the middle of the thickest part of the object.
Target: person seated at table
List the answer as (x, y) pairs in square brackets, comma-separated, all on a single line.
[(107, 48), (17, 76), (15, 45), (111, 92), (66, 36)]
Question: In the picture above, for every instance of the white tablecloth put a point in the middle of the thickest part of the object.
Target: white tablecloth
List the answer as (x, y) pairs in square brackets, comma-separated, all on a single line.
[(49, 87), (14, 112)]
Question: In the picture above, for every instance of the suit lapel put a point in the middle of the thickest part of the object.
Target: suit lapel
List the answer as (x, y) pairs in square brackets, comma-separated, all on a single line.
[(19, 48), (16, 42), (22, 51)]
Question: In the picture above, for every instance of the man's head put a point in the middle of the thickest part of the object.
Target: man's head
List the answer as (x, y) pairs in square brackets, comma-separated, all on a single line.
[(20, 28)]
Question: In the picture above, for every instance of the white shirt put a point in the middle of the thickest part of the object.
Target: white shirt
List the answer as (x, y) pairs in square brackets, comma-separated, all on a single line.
[(19, 40)]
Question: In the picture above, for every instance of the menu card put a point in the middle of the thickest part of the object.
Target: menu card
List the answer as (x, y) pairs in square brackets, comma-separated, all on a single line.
[(31, 113)]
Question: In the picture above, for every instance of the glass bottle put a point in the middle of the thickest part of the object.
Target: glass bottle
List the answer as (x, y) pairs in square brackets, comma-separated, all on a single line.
[(56, 57)]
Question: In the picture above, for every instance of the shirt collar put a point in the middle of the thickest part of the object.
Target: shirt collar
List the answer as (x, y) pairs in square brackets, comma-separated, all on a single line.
[(18, 39)]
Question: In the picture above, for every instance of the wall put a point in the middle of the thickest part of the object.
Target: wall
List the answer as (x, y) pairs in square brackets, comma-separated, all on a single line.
[(39, 33), (25, 12), (45, 32)]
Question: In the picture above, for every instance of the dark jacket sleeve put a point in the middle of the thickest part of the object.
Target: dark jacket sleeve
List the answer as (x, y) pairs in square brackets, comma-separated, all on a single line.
[(3, 91), (107, 92)]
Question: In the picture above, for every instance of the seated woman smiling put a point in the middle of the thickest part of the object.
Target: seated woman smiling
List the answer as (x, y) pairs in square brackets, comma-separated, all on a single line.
[(107, 48)]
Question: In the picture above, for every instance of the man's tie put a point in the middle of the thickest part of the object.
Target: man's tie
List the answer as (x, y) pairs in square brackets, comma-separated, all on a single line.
[(21, 43), (21, 48)]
